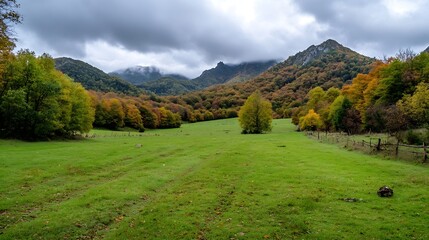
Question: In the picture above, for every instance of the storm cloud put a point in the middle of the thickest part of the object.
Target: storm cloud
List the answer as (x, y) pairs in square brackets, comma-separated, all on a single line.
[(188, 36)]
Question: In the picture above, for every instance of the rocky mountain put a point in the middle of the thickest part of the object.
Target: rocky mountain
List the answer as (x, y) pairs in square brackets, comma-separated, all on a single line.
[(93, 78), (139, 74), (315, 52), (426, 50), (232, 73), (221, 74), (286, 84)]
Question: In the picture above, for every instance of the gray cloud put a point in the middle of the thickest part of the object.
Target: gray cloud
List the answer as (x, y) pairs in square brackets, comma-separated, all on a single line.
[(147, 26), (193, 34), (387, 25)]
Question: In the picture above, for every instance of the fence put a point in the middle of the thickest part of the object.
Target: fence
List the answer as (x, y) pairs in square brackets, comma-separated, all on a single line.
[(113, 134), (375, 145)]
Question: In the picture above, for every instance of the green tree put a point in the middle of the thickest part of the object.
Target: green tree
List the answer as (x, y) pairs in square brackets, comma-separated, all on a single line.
[(150, 119), (416, 106), (13, 113), (37, 101), (255, 116), (338, 112), (82, 114), (315, 97)]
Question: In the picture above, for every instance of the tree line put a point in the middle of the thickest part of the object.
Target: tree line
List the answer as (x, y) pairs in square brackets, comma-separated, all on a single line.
[(392, 97), (114, 111)]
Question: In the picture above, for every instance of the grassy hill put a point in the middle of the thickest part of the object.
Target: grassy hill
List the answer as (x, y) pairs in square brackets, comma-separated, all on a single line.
[(188, 184)]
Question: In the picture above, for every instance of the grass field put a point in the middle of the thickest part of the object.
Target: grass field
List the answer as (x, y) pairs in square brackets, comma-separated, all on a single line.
[(207, 181)]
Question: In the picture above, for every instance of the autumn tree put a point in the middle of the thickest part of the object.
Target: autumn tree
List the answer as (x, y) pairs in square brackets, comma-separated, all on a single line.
[(311, 121), (115, 114), (8, 16), (167, 119), (133, 117), (255, 116)]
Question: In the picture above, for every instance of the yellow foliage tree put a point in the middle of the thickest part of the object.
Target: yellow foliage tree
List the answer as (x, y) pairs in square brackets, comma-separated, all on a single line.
[(255, 116), (311, 121), (416, 106)]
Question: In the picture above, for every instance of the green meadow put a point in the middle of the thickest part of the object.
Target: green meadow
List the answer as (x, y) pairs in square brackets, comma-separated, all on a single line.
[(207, 181)]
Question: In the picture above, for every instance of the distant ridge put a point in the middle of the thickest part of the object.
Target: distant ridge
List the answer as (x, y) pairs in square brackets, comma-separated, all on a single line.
[(139, 74), (230, 73), (174, 84)]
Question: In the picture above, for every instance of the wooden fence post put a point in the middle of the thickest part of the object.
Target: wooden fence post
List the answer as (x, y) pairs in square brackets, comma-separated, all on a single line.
[(379, 144), (397, 148), (425, 152)]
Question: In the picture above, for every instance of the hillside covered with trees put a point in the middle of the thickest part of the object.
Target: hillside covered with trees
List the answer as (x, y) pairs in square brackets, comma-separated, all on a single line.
[(93, 78), (393, 96), (286, 84)]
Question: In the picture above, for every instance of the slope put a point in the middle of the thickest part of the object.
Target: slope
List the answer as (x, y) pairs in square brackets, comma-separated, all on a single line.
[(169, 86), (327, 65)]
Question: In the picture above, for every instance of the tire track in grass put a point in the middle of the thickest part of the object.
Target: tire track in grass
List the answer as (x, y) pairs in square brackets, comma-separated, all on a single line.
[(195, 201), (107, 175), (154, 197)]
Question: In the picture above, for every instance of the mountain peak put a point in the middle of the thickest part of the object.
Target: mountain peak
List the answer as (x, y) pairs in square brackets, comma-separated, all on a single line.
[(220, 64), (315, 52), (330, 44)]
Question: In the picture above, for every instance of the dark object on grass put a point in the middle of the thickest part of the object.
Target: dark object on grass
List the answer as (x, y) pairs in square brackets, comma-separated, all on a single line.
[(385, 191), (352, 199)]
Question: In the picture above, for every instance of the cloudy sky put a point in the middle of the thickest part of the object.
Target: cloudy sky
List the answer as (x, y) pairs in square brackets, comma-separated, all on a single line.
[(188, 36)]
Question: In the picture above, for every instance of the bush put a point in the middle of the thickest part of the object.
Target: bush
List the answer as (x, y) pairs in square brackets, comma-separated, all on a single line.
[(414, 138)]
